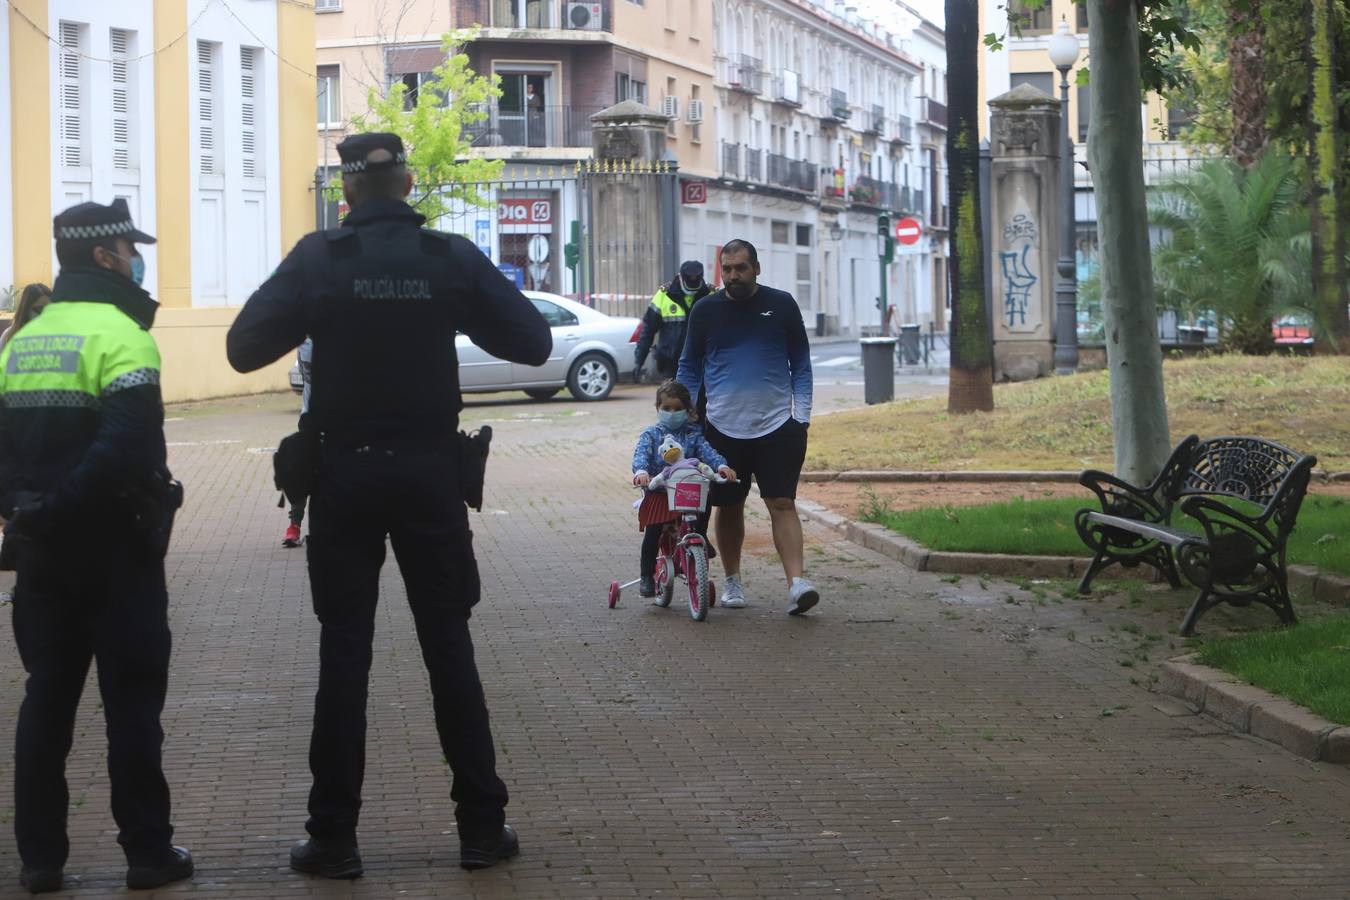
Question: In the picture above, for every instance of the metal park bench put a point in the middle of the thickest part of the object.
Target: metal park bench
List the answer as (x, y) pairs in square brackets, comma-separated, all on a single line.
[(1244, 493)]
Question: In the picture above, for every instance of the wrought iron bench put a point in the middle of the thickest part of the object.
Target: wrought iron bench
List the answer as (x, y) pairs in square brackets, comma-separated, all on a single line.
[(1238, 556)]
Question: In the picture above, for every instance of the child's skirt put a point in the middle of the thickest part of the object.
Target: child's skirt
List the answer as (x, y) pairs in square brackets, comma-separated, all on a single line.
[(655, 510)]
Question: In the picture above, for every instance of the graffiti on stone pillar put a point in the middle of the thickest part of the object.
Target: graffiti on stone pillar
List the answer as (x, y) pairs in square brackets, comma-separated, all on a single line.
[(1020, 235), (1018, 281)]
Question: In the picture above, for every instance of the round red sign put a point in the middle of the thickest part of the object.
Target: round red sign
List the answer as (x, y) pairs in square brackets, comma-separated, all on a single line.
[(908, 231)]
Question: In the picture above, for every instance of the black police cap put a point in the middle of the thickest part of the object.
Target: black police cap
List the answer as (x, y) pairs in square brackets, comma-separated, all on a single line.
[(691, 268), (94, 221), (355, 151)]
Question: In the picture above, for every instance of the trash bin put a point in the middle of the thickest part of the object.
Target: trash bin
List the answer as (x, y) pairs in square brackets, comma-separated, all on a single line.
[(878, 369), (820, 324), (909, 343)]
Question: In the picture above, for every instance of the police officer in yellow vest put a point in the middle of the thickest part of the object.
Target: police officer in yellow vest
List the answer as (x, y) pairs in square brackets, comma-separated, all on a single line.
[(89, 502), (665, 320)]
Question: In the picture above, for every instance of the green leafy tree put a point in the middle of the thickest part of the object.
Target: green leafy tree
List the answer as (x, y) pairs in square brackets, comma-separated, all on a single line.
[(437, 128)]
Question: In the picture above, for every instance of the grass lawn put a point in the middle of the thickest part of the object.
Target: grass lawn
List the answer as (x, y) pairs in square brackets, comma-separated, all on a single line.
[(1306, 663), (1065, 422), (1033, 527)]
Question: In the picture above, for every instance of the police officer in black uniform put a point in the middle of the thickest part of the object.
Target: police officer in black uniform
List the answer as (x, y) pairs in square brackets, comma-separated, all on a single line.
[(382, 297), (89, 503)]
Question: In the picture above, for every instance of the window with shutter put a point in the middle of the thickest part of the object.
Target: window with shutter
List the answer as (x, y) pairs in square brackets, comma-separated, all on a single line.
[(250, 74), (207, 106), (72, 108), (122, 149)]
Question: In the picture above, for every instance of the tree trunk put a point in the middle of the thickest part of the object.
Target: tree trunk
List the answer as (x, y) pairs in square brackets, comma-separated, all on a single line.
[(1324, 164), (970, 378), (1116, 151), (1247, 90)]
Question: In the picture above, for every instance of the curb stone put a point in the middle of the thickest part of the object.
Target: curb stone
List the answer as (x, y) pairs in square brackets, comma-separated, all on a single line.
[(1308, 581), (1250, 710), (916, 476)]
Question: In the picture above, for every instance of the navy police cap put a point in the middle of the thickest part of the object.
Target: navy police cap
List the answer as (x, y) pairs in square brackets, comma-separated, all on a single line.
[(94, 221), (355, 152)]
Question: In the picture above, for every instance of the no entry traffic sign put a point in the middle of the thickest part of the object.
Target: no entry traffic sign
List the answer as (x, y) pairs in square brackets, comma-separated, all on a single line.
[(908, 231)]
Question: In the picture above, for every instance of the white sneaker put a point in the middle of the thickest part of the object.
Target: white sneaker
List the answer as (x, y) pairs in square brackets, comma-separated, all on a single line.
[(733, 594), (801, 596)]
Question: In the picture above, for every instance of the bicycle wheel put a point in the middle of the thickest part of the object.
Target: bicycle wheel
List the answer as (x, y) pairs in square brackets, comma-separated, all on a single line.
[(665, 580), (613, 594), (696, 574)]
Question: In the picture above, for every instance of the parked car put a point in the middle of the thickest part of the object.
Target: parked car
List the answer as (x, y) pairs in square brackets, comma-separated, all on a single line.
[(587, 348)]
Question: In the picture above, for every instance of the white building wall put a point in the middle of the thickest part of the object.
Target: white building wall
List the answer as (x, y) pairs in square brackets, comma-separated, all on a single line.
[(98, 176), (6, 165), (236, 216)]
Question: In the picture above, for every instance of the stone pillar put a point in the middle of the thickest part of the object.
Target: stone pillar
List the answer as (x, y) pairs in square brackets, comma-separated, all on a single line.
[(634, 214), (1024, 176)]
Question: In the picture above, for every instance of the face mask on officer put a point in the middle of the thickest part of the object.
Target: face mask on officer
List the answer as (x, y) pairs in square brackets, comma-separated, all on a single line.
[(135, 264), (691, 285)]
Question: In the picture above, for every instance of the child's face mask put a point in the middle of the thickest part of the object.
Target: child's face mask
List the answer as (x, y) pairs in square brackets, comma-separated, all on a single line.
[(673, 419)]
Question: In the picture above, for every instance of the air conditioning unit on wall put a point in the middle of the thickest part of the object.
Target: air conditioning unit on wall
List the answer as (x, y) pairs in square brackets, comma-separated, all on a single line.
[(670, 106), (695, 112), (585, 16)]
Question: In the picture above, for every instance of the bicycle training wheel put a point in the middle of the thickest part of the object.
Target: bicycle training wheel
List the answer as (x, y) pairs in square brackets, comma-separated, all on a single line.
[(696, 574), (613, 594), (665, 580)]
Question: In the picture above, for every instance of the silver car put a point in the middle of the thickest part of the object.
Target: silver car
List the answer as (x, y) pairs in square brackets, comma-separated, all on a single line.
[(587, 349)]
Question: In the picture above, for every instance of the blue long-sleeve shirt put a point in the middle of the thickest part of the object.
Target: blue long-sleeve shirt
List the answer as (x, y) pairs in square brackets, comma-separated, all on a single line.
[(690, 438), (752, 358)]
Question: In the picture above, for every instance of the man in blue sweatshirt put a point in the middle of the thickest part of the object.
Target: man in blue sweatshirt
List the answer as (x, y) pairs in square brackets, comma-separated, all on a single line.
[(746, 348)]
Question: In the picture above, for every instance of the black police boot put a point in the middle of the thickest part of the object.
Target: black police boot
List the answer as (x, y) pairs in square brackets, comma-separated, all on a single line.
[(40, 881), (489, 852), (176, 867), (646, 586), (327, 858)]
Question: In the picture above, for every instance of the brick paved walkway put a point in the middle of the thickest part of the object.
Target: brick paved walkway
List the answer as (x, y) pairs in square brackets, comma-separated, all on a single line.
[(910, 738)]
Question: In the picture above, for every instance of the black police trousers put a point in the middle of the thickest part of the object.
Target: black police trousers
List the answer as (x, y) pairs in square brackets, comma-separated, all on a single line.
[(412, 496), (71, 608)]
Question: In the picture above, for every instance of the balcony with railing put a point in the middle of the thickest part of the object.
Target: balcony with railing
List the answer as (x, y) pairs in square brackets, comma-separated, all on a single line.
[(731, 160), (934, 113), (837, 109), (791, 173), (902, 131), (743, 74), (551, 15), (875, 123), (549, 126), (786, 88), (754, 165)]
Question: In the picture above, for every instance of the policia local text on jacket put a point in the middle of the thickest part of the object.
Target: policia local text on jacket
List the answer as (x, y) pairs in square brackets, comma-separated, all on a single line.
[(664, 323), (89, 503), (382, 299)]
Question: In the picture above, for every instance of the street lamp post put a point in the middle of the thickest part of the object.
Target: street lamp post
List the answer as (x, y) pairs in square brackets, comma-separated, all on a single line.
[(1063, 48)]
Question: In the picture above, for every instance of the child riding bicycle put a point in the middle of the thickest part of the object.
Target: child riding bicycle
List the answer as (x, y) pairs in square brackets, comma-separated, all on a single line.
[(676, 419)]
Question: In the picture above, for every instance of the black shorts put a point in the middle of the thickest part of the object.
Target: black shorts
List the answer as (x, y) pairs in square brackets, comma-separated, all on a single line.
[(775, 460)]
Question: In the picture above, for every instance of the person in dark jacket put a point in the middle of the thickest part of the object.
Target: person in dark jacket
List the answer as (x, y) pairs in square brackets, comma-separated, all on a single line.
[(382, 298), (665, 320), (88, 498)]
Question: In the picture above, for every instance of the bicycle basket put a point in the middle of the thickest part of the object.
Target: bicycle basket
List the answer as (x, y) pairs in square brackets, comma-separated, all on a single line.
[(688, 494)]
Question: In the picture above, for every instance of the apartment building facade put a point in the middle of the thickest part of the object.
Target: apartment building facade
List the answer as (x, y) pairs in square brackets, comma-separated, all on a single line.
[(824, 122), (185, 109), (558, 63)]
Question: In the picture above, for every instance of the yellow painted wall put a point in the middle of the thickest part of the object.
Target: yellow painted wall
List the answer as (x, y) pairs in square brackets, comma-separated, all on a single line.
[(192, 357), (31, 104), (172, 159), (295, 106)]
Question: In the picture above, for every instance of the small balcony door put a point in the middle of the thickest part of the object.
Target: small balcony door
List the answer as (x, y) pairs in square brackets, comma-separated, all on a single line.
[(522, 109)]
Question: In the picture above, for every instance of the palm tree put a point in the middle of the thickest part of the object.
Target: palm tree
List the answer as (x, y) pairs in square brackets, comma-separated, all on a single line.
[(1223, 224)]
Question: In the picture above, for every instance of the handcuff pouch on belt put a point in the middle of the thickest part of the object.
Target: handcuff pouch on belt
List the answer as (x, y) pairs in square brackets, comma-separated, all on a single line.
[(473, 454), (295, 465)]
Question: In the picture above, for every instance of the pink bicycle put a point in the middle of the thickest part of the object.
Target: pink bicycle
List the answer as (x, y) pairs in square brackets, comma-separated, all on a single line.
[(683, 553)]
